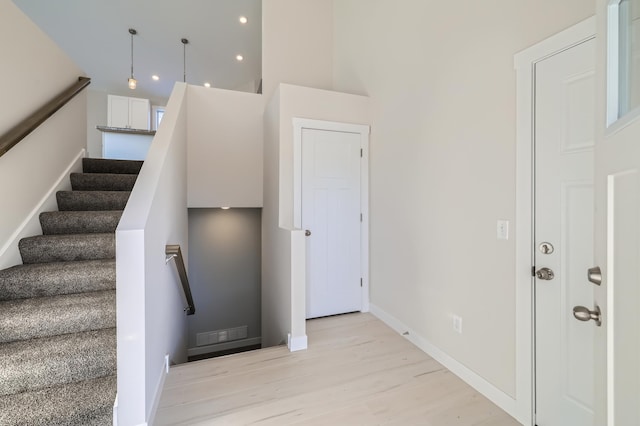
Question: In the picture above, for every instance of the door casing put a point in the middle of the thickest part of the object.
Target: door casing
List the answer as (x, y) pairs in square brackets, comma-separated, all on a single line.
[(524, 63), (363, 130)]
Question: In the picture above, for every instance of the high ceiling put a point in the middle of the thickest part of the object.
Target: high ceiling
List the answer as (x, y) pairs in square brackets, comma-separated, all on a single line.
[(95, 34)]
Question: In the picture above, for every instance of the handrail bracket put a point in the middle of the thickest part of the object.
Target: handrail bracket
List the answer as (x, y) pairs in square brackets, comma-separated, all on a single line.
[(172, 251)]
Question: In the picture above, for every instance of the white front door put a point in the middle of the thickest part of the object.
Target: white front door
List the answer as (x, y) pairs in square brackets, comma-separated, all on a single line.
[(331, 213), (618, 216), (563, 235)]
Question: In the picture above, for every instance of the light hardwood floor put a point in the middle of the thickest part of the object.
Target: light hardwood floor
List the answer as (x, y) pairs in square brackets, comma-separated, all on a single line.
[(357, 371)]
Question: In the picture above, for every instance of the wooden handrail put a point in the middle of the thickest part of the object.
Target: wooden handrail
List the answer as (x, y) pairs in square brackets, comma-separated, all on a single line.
[(174, 252), (29, 124)]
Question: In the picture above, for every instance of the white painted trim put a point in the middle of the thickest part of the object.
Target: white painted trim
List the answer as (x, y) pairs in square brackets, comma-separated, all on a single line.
[(115, 411), (613, 62), (363, 130), (200, 350), (151, 415), (32, 222), (501, 399), (525, 63), (298, 343)]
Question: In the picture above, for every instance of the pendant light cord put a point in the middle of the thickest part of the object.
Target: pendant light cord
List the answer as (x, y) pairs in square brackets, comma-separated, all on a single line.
[(184, 59)]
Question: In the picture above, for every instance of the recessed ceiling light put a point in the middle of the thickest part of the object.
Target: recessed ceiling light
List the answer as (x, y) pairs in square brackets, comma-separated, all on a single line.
[(155, 77), (225, 208), (239, 57), (243, 20), (207, 85)]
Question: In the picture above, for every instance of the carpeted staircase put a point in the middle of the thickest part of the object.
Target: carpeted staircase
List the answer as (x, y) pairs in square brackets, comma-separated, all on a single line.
[(57, 310)]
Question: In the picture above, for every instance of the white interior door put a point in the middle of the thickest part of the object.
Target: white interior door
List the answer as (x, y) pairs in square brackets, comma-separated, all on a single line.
[(618, 218), (331, 213), (563, 236)]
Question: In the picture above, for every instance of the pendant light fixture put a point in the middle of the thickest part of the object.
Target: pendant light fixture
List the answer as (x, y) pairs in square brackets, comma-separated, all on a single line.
[(132, 81), (184, 59)]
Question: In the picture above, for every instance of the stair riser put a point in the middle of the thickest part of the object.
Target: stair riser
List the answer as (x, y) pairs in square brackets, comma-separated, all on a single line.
[(68, 222), (92, 200), (51, 279), (99, 165), (102, 182), (41, 363), (35, 318), (66, 248)]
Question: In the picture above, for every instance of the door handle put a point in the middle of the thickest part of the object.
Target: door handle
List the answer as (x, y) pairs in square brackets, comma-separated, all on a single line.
[(594, 275), (307, 233), (584, 314), (545, 274)]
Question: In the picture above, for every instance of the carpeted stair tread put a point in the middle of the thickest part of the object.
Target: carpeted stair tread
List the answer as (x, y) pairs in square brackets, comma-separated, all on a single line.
[(40, 363), (79, 222), (57, 278), (48, 316), (65, 248), (101, 165), (87, 403), (92, 200), (102, 181)]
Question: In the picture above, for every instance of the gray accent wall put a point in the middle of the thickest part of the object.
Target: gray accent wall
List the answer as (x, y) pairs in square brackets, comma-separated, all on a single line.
[(225, 270)]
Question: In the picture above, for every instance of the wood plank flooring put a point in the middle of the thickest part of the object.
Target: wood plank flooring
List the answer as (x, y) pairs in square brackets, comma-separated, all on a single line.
[(357, 371)]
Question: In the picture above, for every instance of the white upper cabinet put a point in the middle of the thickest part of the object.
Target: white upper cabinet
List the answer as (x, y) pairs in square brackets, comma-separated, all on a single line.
[(128, 113)]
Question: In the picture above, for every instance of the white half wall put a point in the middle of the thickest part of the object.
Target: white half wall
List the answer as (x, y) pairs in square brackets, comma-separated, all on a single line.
[(442, 170), (224, 148), (151, 322)]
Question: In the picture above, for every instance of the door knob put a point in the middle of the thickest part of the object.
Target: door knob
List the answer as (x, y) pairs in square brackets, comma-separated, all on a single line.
[(583, 314), (594, 275), (545, 274), (307, 233)]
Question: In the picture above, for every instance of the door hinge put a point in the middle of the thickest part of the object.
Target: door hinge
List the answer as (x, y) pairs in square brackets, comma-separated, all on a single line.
[(361, 153), (360, 282), (360, 217), (533, 271)]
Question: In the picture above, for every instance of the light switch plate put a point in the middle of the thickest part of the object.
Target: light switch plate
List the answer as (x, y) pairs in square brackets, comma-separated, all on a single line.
[(503, 229)]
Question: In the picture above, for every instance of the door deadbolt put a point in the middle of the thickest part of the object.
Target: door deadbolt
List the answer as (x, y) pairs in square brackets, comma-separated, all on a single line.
[(545, 274), (594, 275), (546, 248), (584, 314), (307, 233)]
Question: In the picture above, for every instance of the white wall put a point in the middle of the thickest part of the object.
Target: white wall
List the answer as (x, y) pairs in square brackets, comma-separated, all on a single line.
[(34, 71), (442, 86), (276, 249), (225, 148), (150, 317), (96, 116), (224, 271), (283, 285), (297, 44)]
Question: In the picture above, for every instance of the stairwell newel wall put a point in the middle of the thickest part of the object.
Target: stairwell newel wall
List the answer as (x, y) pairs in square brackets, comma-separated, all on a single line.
[(39, 70), (151, 322)]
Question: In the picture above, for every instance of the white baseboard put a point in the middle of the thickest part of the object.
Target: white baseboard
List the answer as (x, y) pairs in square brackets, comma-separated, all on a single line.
[(9, 253), (495, 395), (298, 343), (201, 350)]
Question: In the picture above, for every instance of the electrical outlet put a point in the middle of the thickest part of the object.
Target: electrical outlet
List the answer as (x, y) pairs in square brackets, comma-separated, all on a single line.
[(457, 324)]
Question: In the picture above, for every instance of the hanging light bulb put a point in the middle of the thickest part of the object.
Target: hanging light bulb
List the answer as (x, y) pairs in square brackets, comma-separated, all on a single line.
[(133, 83), (184, 59)]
